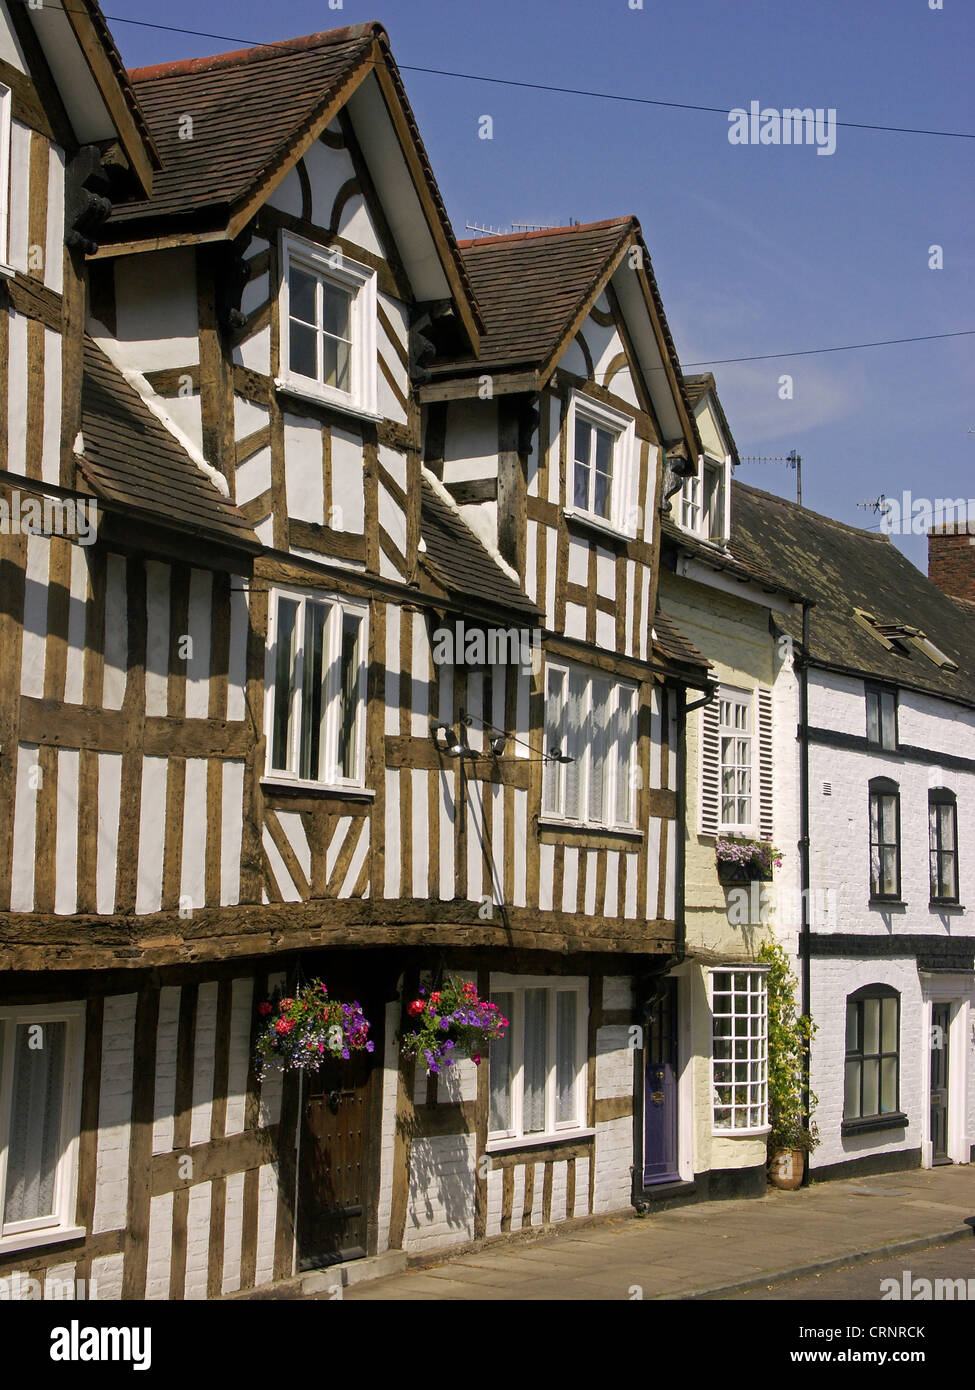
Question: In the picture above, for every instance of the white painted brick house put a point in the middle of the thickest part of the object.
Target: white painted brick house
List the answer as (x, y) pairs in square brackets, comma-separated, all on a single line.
[(888, 742)]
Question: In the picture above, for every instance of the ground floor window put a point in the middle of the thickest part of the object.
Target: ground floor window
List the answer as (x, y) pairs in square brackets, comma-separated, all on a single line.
[(40, 1083), (872, 1053), (739, 1065), (538, 1071)]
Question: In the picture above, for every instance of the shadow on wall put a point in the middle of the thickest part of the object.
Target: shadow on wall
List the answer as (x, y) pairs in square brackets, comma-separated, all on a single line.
[(442, 1181)]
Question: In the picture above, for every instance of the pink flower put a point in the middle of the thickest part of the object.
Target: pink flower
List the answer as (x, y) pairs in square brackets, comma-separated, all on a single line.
[(476, 1060), (285, 1025)]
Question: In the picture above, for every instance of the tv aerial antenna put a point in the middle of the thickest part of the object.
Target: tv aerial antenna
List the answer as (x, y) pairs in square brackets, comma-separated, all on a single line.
[(793, 459)]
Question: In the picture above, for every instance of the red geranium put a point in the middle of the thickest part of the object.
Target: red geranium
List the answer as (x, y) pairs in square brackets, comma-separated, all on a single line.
[(415, 1008), (265, 1009)]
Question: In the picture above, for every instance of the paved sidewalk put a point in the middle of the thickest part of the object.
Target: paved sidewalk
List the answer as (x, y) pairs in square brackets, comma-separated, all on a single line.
[(709, 1248)]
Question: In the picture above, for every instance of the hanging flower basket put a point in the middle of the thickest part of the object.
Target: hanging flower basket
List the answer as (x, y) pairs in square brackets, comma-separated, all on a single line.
[(302, 1031), (452, 1022), (742, 861)]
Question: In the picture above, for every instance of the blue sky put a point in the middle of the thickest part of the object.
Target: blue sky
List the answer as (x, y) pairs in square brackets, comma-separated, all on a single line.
[(756, 249)]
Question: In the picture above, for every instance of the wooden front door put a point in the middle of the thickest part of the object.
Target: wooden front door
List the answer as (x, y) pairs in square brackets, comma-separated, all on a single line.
[(660, 1091), (940, 1020), (333, 1183)]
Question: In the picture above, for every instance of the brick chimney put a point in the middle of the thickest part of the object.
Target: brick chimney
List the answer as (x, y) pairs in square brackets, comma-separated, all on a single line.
[(951, 560)]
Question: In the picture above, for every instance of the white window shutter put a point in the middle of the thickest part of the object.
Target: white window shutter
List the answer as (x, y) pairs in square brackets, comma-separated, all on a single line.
[(766, 819), (710, 769)]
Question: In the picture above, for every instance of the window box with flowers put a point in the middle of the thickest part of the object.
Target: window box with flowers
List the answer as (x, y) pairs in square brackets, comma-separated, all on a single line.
[(303, 1031), (452, 1022), (743, 861)]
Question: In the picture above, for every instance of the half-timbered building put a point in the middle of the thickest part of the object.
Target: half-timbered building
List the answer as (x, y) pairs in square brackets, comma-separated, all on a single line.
[(360, 674)]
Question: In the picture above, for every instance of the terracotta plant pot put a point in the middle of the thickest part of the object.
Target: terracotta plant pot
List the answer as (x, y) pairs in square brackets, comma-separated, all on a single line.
[(785, 1170)]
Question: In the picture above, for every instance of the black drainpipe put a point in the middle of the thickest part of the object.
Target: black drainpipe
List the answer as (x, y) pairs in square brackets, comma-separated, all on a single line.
[(805, 985)]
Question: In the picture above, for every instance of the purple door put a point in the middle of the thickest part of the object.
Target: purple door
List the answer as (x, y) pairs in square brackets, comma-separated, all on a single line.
[(660, 1091)]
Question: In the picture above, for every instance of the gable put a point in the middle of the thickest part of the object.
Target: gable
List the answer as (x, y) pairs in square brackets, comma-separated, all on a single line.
[(255, 127)]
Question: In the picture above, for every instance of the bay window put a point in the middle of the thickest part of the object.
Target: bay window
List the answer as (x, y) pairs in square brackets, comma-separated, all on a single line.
[(537, 1071), (316, 683), (41, 1050), (739, 1064), (592, 720)]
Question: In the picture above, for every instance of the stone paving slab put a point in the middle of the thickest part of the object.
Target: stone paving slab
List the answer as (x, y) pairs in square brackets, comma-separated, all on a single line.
[(692, 1252)]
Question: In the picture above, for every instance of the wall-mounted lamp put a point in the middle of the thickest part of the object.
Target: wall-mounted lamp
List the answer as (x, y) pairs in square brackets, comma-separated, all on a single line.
[(447, 741)]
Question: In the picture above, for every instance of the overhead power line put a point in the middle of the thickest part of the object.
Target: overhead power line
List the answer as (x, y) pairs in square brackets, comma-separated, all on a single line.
[(843, 347), (537, 86)]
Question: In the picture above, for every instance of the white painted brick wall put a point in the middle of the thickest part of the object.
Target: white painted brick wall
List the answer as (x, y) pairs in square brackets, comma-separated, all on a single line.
[(106, 1274), (241, 1011), (203, 1057), (160, 1246), (233, 1232), (617, 992), (388, 1123), (114, 1113), (165, 1098), (197, 1240), (832, 981), (267, 1205), (614, 1062), (614, 1159), (440, 1210)]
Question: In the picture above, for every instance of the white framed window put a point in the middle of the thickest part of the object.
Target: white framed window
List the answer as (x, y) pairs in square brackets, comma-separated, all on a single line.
[(5, 110), (704, 501), (328, 325), (739, 1052), (316, 689), (601, 445), (591, 719), (41, 1056), (690, 504), (537, 1072), (737, 759)]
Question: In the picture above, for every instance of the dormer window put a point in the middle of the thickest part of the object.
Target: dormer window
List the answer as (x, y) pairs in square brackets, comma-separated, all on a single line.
[(704, 501), (328, 326), (602, 442)]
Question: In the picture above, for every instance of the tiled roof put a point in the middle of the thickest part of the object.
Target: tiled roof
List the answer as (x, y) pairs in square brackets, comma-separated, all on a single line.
[(731, 559), (529, 287), (671, 643), (131, 458), (462, 564), (842, 569), (246, 108)]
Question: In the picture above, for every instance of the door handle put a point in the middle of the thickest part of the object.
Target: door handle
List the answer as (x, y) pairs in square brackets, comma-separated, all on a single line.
[(334, 1101)]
